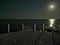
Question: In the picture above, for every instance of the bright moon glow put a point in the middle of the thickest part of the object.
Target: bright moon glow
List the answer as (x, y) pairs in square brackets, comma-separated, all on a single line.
[(52, 6), (51, 22)]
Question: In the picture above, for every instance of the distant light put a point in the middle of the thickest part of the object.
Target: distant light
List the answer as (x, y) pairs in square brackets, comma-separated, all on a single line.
[(51, 22)]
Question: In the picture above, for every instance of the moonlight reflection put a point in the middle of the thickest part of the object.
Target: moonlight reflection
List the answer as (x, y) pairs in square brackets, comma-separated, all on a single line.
[(51, 22)]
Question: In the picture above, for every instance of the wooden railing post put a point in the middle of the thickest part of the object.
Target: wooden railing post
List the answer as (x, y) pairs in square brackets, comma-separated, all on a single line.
[(22, 27), (34, 26), (8, 28)]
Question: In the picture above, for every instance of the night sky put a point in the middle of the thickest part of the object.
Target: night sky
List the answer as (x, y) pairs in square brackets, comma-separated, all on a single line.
[(29, 9)]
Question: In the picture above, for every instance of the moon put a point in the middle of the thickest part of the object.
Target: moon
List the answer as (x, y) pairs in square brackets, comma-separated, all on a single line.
[(52, 6)]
